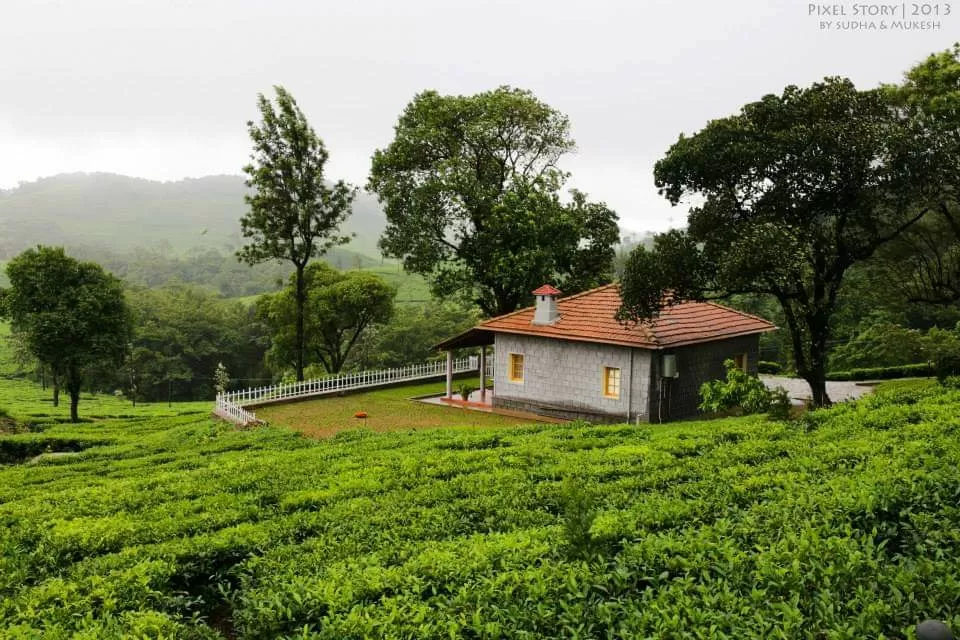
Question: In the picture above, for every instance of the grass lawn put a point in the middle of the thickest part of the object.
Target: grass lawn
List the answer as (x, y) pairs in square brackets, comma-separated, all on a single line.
[(411, 287), (387, 410), (30, 403)]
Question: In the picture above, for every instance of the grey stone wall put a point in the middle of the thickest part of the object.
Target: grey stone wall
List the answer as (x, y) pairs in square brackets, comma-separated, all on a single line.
[(565, 379), (696, 364)]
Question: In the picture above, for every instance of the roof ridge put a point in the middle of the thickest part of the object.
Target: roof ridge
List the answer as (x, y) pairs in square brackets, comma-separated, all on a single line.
[(559, 300)]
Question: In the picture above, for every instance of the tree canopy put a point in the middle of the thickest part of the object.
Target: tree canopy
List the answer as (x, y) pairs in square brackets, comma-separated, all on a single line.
[(294, 215), (925, 262), (786, 196), (340, 307), (470, 187), (72, 314)]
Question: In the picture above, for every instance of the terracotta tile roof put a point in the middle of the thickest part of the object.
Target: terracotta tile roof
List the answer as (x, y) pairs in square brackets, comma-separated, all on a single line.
[(547, 290), (589, 317)]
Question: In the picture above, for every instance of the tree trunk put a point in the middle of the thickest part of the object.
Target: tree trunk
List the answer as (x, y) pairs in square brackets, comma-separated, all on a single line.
[(73, 387), (816, 372), (56, 389), (74, 404), (301, 298)]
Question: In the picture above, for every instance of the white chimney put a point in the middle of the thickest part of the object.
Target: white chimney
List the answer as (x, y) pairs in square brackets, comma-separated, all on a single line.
[(546, 311)]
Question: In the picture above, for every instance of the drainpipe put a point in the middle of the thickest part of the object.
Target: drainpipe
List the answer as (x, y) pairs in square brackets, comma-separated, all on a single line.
[(630, 388)]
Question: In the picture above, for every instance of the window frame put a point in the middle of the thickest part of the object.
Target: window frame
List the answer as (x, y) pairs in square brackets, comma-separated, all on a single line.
[(605, 380), (512, 359), (740, 359)]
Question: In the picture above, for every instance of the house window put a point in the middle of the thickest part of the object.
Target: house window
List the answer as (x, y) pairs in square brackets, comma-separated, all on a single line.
[(515, 372), (611, 382), (741, 361)]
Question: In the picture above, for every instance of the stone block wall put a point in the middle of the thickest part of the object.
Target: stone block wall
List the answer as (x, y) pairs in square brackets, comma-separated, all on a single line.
[(696, 364), (565, 379)]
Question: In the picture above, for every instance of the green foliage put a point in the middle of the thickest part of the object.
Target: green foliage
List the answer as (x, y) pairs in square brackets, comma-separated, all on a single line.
[(470, 187), (769, 368), (741, 528), (925, 263), (950, 382), (340, 307), (221, 378), (780, 404), (71, 315), (293, 215), (181, 334), (465, 390), (740, 392), (794, 190), (579, 514), (922, 369), (411, 334), (880, 344)]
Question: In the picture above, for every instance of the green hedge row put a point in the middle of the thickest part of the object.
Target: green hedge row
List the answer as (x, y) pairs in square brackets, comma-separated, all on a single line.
[(769, 368), (885, 373)]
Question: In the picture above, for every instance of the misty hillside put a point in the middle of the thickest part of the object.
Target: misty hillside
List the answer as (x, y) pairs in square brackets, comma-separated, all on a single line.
[(121, 213)]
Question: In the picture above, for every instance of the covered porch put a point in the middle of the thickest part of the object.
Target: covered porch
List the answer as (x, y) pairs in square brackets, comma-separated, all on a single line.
[(471, 339)]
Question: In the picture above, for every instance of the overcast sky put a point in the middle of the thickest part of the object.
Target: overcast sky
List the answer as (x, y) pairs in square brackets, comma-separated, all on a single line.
[(162, 88)]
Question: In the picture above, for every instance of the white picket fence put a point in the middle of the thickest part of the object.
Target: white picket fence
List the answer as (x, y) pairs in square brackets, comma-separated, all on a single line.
[(230, 404)]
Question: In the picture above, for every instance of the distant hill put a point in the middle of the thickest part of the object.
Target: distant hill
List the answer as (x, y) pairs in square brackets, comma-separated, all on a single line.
[(120, 213)]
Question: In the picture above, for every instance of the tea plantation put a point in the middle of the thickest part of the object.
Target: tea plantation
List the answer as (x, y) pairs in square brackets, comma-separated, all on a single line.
[(844, 525)]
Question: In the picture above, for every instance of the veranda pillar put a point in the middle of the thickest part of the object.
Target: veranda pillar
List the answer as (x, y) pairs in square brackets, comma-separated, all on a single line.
[(450, 374), (483, 374)]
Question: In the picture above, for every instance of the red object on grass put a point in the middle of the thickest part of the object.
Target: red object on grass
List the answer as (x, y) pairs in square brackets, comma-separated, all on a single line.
[(360, 414)]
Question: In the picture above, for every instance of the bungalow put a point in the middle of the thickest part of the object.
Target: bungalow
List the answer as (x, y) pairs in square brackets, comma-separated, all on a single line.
[(570, 358)]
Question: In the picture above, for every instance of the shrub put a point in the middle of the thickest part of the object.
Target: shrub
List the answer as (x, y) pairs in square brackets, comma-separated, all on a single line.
[(885, 373), (769, 368), (578, 517), (780, 404), (946, 366), (951, 382), (465, 391), (740, 391)]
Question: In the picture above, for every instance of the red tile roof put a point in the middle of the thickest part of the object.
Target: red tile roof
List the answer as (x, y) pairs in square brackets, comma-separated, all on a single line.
[(589, 317), (547, 290)]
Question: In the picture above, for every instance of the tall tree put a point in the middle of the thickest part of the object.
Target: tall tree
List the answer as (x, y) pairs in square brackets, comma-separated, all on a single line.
[(925, 262), (294, 215), (341, 307), (790, 193), (72, 314), (470, 188)]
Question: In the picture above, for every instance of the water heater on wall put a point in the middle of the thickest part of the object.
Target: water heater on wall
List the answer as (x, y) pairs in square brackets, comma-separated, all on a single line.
[(670, 366)]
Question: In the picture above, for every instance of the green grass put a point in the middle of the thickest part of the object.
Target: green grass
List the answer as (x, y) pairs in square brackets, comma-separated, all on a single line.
[(30, 403), (411, 288), (387, 410)]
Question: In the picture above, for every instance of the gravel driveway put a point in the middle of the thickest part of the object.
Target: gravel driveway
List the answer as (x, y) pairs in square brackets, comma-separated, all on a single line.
[(799, 390)]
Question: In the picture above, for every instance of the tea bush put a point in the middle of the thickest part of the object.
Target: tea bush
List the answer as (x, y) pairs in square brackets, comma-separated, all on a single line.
[(179, 527)]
